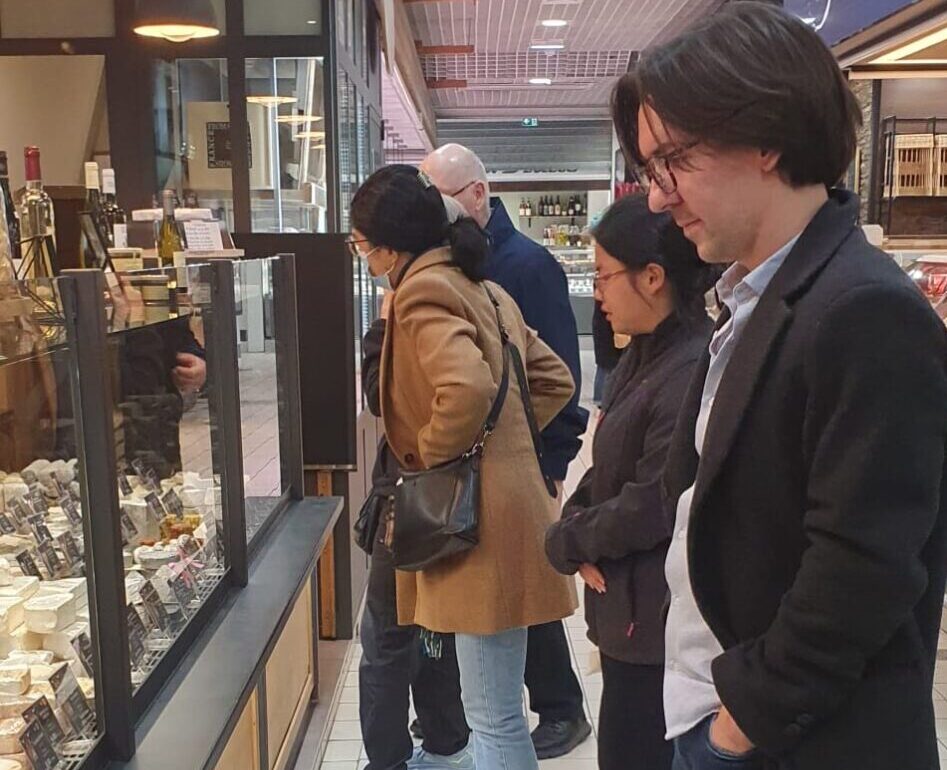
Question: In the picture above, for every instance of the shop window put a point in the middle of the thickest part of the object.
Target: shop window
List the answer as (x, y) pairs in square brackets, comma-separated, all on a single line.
[(57, 18), (286, 98), (192, 133), (343, 22), (287, 17)]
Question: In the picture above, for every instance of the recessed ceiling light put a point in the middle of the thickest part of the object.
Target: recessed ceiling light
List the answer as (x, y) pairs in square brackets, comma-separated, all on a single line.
[(540, 81), (548, 46), (312, 21), (554, 22)]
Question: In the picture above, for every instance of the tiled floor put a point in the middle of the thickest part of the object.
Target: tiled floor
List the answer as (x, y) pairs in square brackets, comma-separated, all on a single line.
[(344, 750)]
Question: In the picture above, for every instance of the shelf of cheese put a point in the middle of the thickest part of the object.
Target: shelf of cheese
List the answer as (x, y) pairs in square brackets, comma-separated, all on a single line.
[(173, 558), (47, 689)]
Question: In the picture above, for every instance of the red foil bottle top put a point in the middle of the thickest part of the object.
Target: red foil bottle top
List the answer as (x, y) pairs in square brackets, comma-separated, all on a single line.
[(33, 173)]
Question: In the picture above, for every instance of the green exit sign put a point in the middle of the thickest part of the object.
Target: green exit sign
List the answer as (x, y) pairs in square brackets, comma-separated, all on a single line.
[(530, 122)]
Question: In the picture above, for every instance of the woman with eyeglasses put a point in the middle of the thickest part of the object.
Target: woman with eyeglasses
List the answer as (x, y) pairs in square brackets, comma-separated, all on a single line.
[(614, 529), (441, 367)]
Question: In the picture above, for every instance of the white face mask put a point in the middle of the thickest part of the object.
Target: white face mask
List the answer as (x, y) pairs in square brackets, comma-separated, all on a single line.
[(382, 281)]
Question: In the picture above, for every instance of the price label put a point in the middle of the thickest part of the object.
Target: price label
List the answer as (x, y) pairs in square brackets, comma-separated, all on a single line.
[(71, 510), (154, 607), (39, 747), (54, 565), (136, 637), (7, 527), (172, 503), (40, 530), (82, 644), (123, 486), (184, 592), (38, 499), (79, 714), (42, 712), (70, 549), (155, 508), (21, 510), (54, 487), (28, 564), (129, 530), (147, 476)]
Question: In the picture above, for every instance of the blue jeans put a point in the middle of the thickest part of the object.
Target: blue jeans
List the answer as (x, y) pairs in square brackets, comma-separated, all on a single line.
[(491, 685), (693, 751)]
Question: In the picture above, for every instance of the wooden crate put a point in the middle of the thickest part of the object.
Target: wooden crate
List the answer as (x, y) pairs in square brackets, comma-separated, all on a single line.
[(913, 166), (940, 165)]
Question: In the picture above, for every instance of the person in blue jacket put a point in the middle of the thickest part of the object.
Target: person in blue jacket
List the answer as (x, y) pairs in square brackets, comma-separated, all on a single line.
[(536, 281)]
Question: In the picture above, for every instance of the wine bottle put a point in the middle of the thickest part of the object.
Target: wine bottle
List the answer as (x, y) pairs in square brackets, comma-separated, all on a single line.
[(9, 208), (522, 208), (169, 239), (578, 205), (529, 208), (114, 214), (571, 207), (37, 221), (93, 198), (558, 207)]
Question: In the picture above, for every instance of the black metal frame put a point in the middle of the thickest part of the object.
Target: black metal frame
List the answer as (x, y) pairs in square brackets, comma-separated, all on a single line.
[(82, 292)]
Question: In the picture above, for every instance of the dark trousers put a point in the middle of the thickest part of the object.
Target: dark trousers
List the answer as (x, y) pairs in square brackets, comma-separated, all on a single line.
[(631, 719), (693, 751), (390, 664), (554, 691)]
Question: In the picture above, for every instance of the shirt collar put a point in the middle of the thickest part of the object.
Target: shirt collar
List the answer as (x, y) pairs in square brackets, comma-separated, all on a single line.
[(738, 285)]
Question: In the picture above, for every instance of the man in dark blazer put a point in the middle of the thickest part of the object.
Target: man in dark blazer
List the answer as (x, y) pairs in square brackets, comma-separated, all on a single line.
[(806, 476)]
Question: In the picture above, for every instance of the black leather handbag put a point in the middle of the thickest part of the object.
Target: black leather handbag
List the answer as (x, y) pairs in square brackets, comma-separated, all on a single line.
[(437, 511)]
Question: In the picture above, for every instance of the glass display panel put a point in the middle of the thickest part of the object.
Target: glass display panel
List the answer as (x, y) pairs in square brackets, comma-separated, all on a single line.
[(192, 134), (48, 641), (286, 107), (261, 395), (288, 17), (169, 464)]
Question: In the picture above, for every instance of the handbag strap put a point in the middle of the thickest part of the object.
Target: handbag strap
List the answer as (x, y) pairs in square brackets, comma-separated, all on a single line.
[(510, 351), (490, 423)]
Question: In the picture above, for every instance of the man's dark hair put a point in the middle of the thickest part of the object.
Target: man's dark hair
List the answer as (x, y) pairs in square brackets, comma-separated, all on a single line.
[(750, 75)]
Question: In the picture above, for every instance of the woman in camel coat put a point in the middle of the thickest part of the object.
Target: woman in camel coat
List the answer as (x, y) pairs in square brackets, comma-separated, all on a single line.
[(441, 365)]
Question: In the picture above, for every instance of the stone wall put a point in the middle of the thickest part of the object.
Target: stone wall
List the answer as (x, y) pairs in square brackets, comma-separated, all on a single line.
[(866, 93)]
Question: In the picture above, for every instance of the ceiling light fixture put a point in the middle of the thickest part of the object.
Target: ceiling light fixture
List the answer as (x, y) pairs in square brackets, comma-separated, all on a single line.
[(310, 135), (541, 81), (554, 22), (176, 20), (548, 46), (298, 119), (312, 21), (268, 100)]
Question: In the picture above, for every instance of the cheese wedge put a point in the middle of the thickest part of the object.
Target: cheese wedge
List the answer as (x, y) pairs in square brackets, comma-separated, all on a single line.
[(45, 614), (14, 678)]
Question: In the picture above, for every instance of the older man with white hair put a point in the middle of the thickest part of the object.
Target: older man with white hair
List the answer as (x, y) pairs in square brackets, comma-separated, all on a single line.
[(536, 281)]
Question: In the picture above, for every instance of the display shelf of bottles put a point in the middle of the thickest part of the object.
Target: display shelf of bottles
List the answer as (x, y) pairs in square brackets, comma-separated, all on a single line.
[(547, 207)]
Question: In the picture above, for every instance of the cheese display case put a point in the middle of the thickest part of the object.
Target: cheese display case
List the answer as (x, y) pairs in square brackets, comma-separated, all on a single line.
[(926, 263), (126, 425), (51, 710)]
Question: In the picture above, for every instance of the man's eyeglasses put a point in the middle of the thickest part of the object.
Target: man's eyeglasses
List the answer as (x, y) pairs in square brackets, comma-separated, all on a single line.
[(601, 280), (458, 192), (352, 245), (657, 169)]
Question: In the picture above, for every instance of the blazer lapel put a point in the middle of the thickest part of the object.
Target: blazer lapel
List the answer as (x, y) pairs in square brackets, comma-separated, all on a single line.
[(737, 387), (829, 229)]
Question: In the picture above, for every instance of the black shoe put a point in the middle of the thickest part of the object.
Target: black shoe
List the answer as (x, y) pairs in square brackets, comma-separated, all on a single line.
[(416, 730), (556, 739)]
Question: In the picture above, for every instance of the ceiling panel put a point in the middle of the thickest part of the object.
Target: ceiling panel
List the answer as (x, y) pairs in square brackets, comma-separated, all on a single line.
[(600, 40)]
